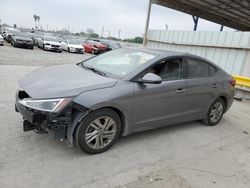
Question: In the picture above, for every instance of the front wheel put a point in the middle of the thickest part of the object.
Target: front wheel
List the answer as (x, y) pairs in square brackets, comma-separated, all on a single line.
[(215, 112), (98, 131)]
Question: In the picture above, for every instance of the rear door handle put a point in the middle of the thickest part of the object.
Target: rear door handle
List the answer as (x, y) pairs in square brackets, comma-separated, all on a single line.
[(214, 85), (180, 90)]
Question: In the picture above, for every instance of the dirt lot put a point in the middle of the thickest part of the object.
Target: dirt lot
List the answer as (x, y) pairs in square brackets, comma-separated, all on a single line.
[(186, 155)]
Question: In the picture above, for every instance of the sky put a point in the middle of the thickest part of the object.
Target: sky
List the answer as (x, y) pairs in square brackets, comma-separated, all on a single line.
[(128, 16)]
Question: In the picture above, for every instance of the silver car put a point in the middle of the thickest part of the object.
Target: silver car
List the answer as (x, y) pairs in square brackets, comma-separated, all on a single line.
[(93, 103)]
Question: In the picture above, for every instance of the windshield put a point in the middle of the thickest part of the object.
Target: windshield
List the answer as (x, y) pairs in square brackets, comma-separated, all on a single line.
[(51, 39), (21, 34), (111, 44), (75, 41), (119, 62)]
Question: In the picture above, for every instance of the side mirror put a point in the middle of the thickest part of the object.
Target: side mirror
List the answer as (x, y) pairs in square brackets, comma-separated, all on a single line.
[(150, 78)]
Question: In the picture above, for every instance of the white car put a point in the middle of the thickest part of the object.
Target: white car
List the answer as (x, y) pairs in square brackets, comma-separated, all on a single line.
[(1, 40), (49, 43), (73, 45)]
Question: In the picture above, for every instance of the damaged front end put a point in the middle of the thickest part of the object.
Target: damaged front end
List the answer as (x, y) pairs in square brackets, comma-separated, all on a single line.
[(53, 116)]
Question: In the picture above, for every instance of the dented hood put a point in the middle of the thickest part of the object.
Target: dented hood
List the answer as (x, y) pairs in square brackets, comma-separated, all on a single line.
[(62, 81)]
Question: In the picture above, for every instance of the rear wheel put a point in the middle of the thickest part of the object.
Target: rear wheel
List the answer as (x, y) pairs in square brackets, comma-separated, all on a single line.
[(215, 112), (98, 131)]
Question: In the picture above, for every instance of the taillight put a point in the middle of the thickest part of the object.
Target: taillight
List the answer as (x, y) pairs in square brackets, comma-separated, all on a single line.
[(232, 82)]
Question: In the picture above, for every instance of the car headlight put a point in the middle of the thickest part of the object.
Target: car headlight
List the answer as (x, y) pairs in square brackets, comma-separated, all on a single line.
[(48, 105)]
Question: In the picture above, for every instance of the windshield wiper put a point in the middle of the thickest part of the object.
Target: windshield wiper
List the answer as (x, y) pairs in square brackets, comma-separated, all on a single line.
[(93, 69)]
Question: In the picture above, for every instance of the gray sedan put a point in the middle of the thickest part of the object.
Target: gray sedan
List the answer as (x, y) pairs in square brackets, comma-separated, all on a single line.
[(93, 103)]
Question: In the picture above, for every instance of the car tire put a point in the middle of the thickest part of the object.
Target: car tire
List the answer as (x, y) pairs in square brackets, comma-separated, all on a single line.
[(14, 44), (215, 112), (32, 47), (68, 50), (101, 136)]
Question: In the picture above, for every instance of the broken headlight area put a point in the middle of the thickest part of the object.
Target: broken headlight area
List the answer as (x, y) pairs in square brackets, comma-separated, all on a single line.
[(52, 116)]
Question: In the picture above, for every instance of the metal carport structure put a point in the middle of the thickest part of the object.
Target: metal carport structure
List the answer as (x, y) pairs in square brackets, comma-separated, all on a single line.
[(230, 13)]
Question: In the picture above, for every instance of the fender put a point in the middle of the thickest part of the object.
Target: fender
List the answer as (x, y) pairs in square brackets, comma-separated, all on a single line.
[(71, 129)]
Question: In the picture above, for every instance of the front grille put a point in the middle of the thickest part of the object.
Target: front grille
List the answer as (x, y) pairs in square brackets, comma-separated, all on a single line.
[(55, 46), (79, 49)]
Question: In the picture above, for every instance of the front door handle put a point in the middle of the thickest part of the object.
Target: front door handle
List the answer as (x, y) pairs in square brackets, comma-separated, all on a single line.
[(180, 90), (214, 85)]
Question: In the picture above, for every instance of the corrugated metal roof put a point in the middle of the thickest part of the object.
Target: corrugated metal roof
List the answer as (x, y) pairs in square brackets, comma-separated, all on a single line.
[(230, 13)]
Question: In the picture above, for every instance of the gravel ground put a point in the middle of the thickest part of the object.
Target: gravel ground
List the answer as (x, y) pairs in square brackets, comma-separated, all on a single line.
[(186, 155)]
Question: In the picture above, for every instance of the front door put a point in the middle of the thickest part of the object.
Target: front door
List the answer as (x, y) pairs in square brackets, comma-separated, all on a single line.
[(162, 104)]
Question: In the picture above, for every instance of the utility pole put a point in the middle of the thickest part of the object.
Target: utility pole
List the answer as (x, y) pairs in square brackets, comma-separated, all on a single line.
[(108, 33), (102, 32), (166, 25), (147, 23), (119, 32)]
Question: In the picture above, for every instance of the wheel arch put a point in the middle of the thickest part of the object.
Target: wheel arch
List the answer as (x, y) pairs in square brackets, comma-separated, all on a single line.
[(120, 114), (225, 100), (81, 115)]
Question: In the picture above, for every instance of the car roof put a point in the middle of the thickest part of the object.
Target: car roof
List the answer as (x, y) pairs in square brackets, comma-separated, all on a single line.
[(167, 53), (159, 52)]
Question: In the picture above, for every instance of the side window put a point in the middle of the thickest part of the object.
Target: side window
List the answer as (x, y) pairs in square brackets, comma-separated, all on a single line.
[(196, 68), (167, 70)]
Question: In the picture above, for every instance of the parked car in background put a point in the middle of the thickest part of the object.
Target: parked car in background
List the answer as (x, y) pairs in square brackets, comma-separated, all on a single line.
[(22, 39), (72, 45), (111, 45), (121, 92), (49, 43), (94, 47), (8, 34), (1, 40)]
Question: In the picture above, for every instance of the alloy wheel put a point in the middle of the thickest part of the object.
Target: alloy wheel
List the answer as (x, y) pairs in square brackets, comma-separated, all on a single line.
[(216, 112), (100, 132)]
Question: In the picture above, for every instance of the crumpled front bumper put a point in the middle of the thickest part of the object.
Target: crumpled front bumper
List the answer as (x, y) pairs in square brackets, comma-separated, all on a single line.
[(44, 122)]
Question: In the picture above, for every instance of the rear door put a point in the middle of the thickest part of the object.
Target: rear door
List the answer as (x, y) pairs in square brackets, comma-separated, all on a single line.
[(202, 87)]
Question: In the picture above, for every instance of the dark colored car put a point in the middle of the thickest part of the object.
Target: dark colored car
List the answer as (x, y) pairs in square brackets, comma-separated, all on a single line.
[(7, 34), (110, 45), (22, 39), (94, 47), (121, 92)]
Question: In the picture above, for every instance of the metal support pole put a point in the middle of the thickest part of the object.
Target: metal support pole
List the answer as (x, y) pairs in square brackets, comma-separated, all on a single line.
[(195, 19), (147, 23), (221, 27)]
